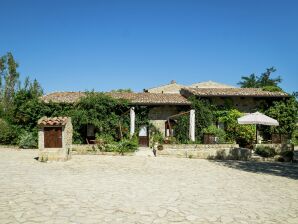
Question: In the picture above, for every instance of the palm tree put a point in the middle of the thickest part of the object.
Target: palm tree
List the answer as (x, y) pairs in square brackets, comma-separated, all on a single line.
[(249, 81), (265, 79), (262, 81)]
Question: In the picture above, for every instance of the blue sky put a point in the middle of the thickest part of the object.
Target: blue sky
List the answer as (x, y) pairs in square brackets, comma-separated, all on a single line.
[(82, 45)]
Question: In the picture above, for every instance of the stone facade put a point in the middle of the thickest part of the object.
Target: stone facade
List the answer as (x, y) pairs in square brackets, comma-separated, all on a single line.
[(204, 151), (56, 154), (158, 115), (243, 104)]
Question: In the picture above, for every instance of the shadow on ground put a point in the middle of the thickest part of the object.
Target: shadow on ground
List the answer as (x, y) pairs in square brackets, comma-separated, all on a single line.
[(289, 170)]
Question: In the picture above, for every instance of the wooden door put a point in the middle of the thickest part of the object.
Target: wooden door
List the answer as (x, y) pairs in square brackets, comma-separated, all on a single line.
[(143, 137), (53, 137)]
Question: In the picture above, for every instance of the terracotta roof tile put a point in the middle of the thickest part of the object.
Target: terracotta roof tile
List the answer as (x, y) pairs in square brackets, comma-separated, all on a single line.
[(63, 97), (52, 121), (243, 92), (135, 98), (152, 98)]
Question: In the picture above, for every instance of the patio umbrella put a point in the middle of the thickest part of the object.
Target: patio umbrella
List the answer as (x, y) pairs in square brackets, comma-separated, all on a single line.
[(257, 118)]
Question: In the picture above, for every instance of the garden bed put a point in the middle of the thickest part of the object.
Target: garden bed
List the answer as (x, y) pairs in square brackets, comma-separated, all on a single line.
[(93, 150)]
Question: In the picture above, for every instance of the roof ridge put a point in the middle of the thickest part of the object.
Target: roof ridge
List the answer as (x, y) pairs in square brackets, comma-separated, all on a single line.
[(166, 85)]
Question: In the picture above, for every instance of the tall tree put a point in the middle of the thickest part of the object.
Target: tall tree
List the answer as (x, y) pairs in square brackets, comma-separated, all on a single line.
[(2, 71), (265, 80), (10, 76), (249, 81)]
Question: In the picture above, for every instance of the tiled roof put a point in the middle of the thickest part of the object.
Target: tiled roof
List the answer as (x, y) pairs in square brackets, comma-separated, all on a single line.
[(243, 92), (152, 98), (53, 121), (210, 84), (135, 98), (63, 97), (172, 88)]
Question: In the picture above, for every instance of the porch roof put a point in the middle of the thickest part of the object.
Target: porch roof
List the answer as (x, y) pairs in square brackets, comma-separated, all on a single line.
[(52, 121)]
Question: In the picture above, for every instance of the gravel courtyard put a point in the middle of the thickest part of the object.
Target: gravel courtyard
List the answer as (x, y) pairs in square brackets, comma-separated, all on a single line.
[(133, 189)]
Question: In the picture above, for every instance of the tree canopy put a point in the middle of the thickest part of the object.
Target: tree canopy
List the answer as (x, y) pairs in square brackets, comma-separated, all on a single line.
[(263, 81)]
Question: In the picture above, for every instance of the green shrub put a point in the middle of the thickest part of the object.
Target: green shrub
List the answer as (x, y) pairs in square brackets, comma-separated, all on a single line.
[(265, 151), (8, 133), (182, 129), (106, 138), (272, 89), (204, 115), (203, 118), (27, 140), (156, 137), (217, 132), (106, 143), (242, 134), (127, 145), (286, 112), (294, 139), (111, 147)]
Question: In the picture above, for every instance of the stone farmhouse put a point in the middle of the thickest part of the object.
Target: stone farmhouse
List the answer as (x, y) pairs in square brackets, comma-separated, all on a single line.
[(171, 99)]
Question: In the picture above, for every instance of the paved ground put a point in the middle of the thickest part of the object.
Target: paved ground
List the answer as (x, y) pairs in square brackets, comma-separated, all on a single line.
[(103, 189)]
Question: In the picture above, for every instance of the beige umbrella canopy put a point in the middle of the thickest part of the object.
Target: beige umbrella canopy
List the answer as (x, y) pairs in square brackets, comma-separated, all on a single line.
[(257, 118)]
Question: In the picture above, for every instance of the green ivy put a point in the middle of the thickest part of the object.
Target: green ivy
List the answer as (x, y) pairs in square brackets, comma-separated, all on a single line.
[(217, 132), (286, 113), (242, 134)]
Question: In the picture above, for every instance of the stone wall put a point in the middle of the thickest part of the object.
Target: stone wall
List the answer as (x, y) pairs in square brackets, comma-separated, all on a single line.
[(278, 147), (158, 115), (203, 151), (243, 104), (67, 135), (56, 154)]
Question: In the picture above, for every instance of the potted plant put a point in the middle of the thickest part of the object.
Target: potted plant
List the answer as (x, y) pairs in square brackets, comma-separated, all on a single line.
[(213, 135)]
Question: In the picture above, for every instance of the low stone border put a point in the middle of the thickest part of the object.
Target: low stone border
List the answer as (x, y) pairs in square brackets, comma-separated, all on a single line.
[(92, 150), (206, 151), (11, 147), (278, 147)]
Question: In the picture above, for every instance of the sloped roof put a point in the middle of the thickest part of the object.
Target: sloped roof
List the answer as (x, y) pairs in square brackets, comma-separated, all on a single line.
[(135, 98), (53, 121), (226, 92), (152, 98), (171, 88), (63, 97), (210, 84)]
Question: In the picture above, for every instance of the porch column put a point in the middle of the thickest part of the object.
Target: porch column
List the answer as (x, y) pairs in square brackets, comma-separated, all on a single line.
[(132, 121), (192, 125)]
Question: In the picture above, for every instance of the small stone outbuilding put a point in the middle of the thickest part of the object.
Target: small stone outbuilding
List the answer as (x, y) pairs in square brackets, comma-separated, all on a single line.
[(55, 138)]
